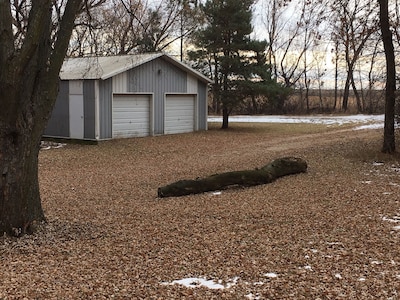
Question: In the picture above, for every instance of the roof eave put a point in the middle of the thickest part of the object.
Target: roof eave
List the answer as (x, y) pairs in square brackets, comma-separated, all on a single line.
[(130, 66), (187, 68)]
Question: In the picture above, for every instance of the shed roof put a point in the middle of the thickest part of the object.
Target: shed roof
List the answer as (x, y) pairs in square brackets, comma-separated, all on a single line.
[(104, 67)]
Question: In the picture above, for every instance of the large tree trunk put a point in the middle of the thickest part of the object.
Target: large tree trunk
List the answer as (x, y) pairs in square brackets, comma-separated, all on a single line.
[(29, 78), (346, 92), (357, 96), (225, 118), (389, 144), (268, 173), (19, 185), (31, 102)]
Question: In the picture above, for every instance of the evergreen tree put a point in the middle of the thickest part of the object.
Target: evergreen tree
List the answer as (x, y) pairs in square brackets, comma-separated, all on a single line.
[(257, 80), (235, 62)]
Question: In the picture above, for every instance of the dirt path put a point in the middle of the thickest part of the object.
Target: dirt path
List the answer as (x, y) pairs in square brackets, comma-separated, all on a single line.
[(315, 139)]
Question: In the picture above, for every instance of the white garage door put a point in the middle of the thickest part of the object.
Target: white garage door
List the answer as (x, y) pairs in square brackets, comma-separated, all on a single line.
[(179, 114), (131, 115)]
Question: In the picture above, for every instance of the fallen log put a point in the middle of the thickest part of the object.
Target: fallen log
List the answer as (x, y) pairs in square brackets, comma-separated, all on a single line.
[(267, 174)]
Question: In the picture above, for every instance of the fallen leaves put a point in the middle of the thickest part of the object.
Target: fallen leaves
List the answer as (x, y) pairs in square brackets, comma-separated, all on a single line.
[(318, 235)]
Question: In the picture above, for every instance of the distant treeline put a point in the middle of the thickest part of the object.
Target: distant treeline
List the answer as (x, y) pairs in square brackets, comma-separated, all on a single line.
[(313, 101)]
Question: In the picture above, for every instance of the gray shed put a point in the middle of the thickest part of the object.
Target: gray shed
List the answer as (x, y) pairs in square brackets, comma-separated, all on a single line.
[(128, 96)]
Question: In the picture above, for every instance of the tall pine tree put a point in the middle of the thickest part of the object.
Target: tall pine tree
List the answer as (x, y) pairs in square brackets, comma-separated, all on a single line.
[(234, 61)]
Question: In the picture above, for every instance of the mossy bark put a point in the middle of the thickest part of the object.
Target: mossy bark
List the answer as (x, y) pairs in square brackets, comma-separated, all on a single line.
[(267, 174)]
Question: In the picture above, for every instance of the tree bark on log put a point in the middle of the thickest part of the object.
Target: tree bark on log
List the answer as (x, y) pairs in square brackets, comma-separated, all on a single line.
[(267, 174)]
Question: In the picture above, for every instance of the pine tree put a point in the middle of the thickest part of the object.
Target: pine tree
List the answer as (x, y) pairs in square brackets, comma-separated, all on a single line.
[(235, 62)]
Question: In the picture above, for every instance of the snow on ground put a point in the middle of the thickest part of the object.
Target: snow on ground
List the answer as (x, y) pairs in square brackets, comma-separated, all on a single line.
[(196, 282), (46, 145), (394, 219), (193, 282), (365, 121)]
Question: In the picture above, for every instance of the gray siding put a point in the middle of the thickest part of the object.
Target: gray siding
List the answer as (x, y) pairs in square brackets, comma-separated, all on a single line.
[(58, 125), (202, 105), (105, 99), (157, 77), (89, 109)]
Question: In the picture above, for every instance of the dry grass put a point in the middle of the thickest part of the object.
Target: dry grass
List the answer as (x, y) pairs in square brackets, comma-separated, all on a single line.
[(322, 233), (279, 129)]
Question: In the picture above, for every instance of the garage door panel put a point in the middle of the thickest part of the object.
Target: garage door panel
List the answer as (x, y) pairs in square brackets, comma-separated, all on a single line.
[(134, 124), (179, 114), (131, 115)]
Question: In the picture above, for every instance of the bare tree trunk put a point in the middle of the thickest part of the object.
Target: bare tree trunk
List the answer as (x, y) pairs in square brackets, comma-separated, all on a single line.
[(267, 174), (307, 96), (346, 93), (225, 118), (371, 81), (357, 95), (20, 134), (321, 104), (336, 73), (389, 144), (29, 78), (19, 185), (255, 109)]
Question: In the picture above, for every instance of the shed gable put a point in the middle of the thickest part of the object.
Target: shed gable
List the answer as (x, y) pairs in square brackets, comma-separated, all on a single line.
[(157, 74)]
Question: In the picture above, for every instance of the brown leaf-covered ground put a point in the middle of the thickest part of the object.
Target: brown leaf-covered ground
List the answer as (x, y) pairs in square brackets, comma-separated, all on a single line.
[(329, 233)]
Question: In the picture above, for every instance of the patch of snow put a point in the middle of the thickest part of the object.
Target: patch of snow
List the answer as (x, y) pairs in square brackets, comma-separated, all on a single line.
[(367, 181), (59, 146), (194, 282), (251, 296), (216, 193), (369, 126), (47, 145), (396, 227), (232, 282), (335, 243), (377, 163), (338, 276), (374, 121), (271, 275), (361, 279), (394, 219)]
